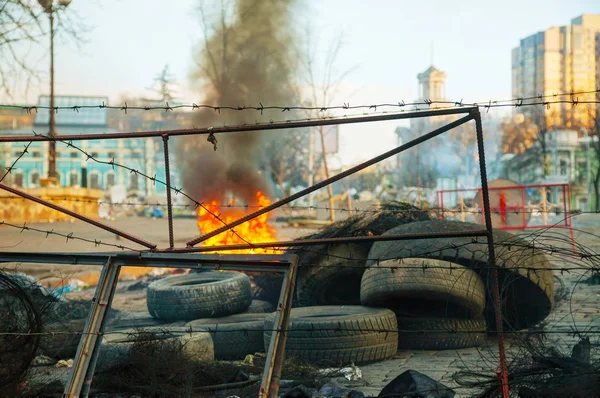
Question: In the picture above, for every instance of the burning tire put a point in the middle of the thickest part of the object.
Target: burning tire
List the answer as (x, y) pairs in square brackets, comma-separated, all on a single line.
[(525, 275), (440, 333), (333, 280), (424, 288), (338, 335), (202, 295), (234, 336)]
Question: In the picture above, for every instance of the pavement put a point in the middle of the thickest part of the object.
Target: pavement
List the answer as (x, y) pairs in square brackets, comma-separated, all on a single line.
[(581, 310)]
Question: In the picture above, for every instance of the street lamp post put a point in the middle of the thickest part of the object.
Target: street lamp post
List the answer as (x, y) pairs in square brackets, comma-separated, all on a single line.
[(50, 8)]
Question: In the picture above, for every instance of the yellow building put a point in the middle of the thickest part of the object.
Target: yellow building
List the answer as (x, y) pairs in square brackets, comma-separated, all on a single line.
[(561, 59)]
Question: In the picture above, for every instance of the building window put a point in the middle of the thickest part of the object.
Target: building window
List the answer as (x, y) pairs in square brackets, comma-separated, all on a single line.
[(35, 178), (74, 155), (582, 171), (19, 180), (112, 155), (563, 167), (94, 181), (136, 155), (94, 155), (133, 181), (73, 179), (110, 180), (37, 154)]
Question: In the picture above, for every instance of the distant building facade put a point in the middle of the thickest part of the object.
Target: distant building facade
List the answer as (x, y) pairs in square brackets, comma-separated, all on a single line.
[(451, 155), (561, 59), (570, 160), (73, 167)]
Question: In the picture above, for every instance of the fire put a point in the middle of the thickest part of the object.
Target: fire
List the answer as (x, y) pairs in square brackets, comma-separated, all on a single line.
[(256, 230)]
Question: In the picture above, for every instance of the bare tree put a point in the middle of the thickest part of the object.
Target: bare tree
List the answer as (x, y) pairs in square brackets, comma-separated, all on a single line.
[(321, 92), (529, 132), (163, 85), (23, 25)]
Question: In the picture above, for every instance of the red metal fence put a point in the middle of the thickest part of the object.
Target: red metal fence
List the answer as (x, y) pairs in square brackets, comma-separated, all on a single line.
[(512, 207)]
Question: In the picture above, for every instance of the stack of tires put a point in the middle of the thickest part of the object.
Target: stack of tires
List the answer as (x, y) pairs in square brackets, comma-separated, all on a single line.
[(439, 288), (439, 305), (220, 303), (217, 303)]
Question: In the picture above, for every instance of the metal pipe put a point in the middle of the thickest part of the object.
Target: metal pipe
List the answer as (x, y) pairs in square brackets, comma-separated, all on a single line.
[(78, 216), (276, 349), (166, 259), (492, 257), (240, 128), (335, 178), (165, 138), (84, 364), (52, 146), (328, 241)]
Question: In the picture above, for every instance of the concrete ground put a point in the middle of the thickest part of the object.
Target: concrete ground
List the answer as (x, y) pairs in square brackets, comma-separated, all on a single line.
[(580, 311)]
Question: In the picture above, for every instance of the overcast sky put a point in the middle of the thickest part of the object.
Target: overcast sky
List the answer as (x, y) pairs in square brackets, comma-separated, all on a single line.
[(389, 42)]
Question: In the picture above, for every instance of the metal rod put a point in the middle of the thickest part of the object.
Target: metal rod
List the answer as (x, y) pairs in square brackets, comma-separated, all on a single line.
[(165, 138), (166, 259), (276, 350), (52, 144), (327, 241), (87, 352), (492, 257), (335, 178), (241, 128), (78, 216)]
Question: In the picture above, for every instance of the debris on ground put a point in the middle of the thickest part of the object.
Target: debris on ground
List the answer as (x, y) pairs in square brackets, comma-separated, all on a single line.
[(42, 360), (64, 363), (351, 372), (540, 370), (415, 385), (593, 280), (334, 390)]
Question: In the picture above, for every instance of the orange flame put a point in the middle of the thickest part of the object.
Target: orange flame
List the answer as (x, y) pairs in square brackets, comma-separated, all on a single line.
[(256, 230)]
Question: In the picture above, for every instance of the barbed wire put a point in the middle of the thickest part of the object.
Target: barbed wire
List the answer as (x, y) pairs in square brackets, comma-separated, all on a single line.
[(551, 250), (69, 236), (486, 104), (188, 330), (112, 163), (304, 207), (11, 167)]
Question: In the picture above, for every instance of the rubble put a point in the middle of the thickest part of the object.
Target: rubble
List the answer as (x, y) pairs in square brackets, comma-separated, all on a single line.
[(415, 385)]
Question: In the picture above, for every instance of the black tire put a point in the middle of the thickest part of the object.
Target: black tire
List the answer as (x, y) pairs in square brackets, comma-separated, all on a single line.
[(525, 275), (338, 335), (62, 339), (332, 280), (133, 320), (440, 333), (424, 288), (260, 307), (234, 336), (202, 295)]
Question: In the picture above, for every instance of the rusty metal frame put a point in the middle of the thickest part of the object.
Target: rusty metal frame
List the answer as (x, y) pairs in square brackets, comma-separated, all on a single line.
[(87, 352), (276, 352)]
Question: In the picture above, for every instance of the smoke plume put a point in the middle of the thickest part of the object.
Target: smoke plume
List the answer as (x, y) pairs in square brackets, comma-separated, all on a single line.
[(247, 58)]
